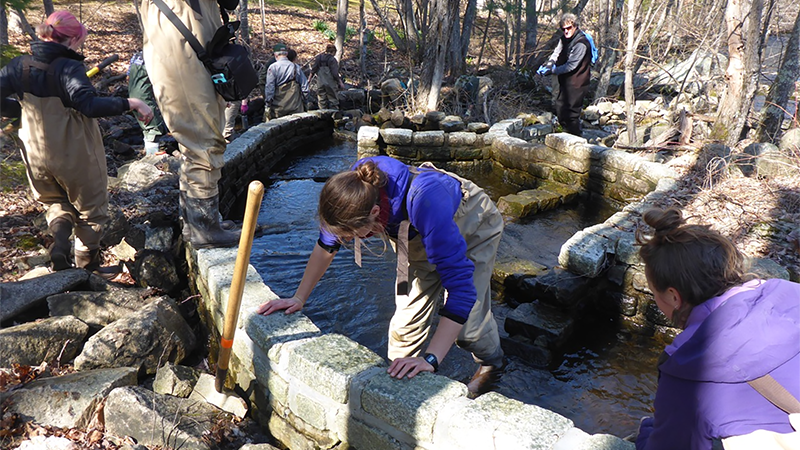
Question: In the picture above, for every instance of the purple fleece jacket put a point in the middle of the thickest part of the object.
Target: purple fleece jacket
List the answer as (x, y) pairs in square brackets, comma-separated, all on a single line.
[(432, 201), (745, 333)]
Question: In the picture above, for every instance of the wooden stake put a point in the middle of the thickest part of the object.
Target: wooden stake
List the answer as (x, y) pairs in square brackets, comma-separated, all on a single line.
[(255, 193)]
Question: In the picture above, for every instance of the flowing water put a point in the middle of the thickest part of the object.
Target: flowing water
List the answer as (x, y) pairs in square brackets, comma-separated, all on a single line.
[(604, 381)]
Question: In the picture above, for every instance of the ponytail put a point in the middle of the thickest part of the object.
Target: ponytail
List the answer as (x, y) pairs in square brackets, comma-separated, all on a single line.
[(348, 197)]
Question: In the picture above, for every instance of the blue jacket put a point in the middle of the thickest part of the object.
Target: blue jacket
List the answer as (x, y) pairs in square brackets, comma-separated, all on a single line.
[(747, 332), (432, 201)]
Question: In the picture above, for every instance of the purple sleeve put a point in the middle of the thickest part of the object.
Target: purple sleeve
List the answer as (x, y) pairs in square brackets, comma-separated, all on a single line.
[(677, 422), (432, 207)]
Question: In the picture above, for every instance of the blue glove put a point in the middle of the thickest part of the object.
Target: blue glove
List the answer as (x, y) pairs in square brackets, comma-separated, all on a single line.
[(541, 70)]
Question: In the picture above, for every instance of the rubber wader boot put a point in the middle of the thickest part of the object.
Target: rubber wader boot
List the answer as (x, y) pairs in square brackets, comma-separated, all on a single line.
[(227, 225), (201, 216), (61, 229), (91, 261)]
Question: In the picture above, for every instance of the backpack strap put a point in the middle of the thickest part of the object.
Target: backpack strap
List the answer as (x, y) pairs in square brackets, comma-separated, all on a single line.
[(776, 393), (50, 70), (402, 239), (193, 42)]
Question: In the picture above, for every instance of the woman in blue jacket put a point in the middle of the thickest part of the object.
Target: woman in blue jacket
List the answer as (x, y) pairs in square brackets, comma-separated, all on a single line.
[(734, 332), (451, 230)]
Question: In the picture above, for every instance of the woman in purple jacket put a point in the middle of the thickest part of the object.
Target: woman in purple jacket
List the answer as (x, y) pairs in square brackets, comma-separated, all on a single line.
[(735, 331), (446, 231)]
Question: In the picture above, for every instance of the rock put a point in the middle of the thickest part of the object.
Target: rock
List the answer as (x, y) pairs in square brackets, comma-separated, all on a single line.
[(557, 287), (19, 296), (155, 269), (146, 174), (397, 118), (746, 161), (155, 334), (766, 268), (772, 164), (228, 401), (790, 142), (97, 309), (434, 117), (158, 238), (257, 447), (159, 420), (397, 136), (428, 138), (47, 443), (176, 380), (48, 340), (452, 123), (478, 127), (68, 401), (392, 90), (534, 320)]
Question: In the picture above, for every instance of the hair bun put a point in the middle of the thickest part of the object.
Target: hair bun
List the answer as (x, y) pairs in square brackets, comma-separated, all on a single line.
[(664, 221)]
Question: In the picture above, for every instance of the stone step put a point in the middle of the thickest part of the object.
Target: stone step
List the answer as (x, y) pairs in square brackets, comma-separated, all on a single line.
[(548, 195)]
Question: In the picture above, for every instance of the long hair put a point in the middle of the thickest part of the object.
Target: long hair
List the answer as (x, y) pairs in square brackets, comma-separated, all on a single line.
[(60, 27), (698, 262), (348, 197)]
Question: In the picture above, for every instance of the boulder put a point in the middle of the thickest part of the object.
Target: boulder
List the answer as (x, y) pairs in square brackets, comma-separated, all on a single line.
[(47, 340), (68, 401), (155, 334), (159, 420), (176, 380), (18, 296), (156, 269), (97, 309)]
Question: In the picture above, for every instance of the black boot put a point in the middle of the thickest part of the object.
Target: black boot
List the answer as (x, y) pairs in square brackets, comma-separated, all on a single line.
[(201, 217), (91, 261), (61, 229), (227, 225)]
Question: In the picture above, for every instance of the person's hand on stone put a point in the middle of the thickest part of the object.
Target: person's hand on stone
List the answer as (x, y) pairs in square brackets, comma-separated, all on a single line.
[(288, 305), (409, 367)]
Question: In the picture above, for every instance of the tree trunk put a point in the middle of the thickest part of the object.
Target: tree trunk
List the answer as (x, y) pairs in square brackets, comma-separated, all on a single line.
[(3, 25), (455, 64), (244, 28), (399, 43), (468, 25), (341, 27), (443, 13), (531, 26), (362, 34), (630, 99), (729, 106), (48, 7), (483, 43), (410, 28), (609, 43), (26, 26), (780, 91)]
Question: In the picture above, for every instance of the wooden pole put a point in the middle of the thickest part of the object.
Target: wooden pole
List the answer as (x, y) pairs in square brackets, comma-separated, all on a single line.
[(255, 193)]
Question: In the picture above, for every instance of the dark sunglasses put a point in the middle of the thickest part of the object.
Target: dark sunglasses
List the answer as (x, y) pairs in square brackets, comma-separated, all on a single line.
[(567, 28)]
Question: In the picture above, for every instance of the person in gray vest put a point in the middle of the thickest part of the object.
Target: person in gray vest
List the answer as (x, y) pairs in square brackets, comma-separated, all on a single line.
[(326, 68), (286, 86)]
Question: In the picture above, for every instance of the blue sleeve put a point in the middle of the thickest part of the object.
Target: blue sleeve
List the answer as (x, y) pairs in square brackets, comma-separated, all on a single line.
[(328, 241), (431, 209)]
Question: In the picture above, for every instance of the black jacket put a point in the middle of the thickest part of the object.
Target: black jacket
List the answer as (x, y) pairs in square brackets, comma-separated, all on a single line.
[(72, 86)]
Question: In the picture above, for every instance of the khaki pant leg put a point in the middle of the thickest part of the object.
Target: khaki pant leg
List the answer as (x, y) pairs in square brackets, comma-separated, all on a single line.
[(411, 323), (231, 113), (193, 111), (482, 227)]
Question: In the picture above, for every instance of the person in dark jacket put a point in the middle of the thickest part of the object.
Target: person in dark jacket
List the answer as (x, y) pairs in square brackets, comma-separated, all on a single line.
[(192, 109), (446, 231), (63, 149), (734, 331), (572, 62), (326, 69), (286, 87)]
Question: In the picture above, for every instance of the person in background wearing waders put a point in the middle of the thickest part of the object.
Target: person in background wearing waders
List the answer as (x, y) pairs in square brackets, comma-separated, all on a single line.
[(326, 68), (193, 111), (62, 146), (139, 86), (286, 86), (446, 231), (572, 62), (735, 332)]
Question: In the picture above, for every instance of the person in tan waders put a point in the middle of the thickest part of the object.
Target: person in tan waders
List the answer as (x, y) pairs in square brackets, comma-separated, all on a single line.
[(62, 146), (286, 86), (192, 109), (326, 68)]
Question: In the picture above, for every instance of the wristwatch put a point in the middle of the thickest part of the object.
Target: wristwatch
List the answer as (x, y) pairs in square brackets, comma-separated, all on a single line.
[(431, 359)]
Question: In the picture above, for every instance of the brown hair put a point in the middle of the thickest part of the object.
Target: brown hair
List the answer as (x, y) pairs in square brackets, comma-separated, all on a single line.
[(348, 197), (330, 48), (698, 262)]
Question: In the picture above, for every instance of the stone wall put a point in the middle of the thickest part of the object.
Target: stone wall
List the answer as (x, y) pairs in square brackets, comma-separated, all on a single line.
[(321, 391)]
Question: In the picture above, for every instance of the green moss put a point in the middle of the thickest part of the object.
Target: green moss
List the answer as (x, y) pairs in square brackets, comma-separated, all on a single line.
[(12, 174), (28, 242)]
